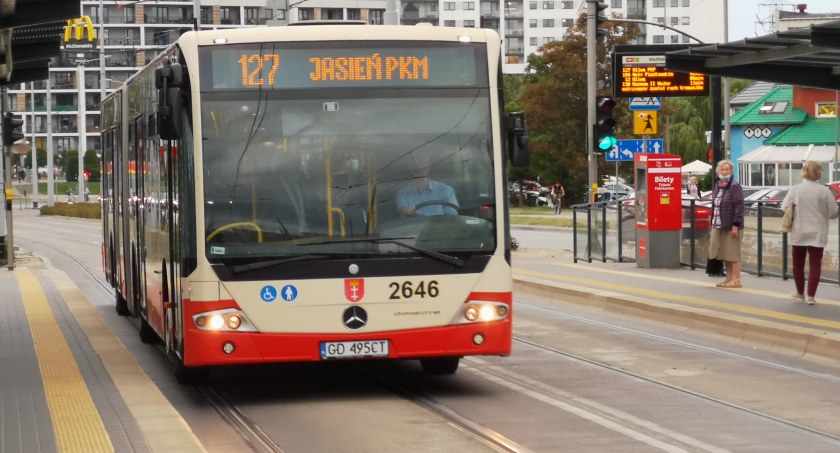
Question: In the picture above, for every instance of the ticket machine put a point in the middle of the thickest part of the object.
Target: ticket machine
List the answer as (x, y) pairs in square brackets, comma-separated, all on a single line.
[(658, 210)]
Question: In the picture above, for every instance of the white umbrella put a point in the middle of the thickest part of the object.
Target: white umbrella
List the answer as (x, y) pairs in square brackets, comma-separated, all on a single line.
[(697, 168)]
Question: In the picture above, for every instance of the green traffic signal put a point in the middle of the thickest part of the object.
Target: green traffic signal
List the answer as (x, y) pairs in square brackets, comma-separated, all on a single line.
[(604, 127), (606, 143)]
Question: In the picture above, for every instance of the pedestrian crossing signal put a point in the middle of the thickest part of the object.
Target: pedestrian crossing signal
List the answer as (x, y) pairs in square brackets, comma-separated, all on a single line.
[(604, 128)]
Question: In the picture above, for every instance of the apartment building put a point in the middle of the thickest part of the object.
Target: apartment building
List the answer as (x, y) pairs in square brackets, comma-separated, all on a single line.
[(525, 25), (134, 32)]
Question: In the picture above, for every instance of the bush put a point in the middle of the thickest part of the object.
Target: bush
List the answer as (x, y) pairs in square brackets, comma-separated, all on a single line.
[(83, 210)]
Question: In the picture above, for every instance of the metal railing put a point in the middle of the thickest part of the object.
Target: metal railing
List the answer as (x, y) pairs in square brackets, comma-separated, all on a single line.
[(605, 231)]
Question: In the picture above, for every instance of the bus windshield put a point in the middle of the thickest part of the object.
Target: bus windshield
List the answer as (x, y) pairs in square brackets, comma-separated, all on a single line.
[(314, 172)]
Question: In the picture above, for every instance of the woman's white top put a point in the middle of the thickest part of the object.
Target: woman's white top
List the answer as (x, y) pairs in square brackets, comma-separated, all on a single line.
[(814, 206)]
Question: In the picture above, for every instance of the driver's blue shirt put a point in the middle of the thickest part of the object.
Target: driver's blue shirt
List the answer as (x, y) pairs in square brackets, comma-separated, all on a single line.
[(410, 196)]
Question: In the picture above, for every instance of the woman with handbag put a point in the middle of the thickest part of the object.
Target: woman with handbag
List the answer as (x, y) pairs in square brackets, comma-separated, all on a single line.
[(727, 222), (813, 204)]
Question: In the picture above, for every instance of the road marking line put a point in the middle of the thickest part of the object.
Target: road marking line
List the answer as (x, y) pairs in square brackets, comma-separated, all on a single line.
[(601, 414), (693, 300), (76, 422)]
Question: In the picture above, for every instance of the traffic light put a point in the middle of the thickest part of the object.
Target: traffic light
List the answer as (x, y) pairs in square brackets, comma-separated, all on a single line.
[(600, 19), (11, 129), (604, 128)]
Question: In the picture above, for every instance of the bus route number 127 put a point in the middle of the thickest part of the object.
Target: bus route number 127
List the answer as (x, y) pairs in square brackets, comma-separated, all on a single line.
[(253, 66)]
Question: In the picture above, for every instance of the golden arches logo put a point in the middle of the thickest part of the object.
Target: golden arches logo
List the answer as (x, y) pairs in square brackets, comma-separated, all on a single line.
[(79, 25)]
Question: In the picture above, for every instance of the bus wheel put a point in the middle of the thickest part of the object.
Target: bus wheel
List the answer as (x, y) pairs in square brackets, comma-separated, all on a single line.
[(191, 375), (122, 304), (440, 365), (147, 334)]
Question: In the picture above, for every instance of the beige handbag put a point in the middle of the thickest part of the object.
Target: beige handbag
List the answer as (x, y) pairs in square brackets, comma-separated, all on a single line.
[(787, 219)]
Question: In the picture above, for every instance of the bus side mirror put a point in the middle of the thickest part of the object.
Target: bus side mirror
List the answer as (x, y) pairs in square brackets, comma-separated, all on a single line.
[(517, 135), (170, 111), (168, 81)]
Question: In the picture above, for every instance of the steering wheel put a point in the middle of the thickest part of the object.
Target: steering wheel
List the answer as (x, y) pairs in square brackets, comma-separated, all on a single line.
[(445, 203), (229, 226)]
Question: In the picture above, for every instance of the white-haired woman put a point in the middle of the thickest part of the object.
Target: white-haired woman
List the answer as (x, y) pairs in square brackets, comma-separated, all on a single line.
[(727, 223), (813, 206)]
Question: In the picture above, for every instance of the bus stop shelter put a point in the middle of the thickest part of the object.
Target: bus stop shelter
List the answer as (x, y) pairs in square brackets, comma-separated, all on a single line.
[(808, 56)]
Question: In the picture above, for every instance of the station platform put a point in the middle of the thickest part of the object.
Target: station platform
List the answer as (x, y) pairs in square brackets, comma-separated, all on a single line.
[(762, 314), (67, 383)]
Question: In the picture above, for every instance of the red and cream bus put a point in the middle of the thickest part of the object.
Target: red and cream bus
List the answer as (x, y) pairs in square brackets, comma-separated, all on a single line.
[(311, 193)]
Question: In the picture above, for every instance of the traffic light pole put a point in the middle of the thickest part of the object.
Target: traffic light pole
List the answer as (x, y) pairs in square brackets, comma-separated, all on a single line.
[(591, 56), (7, 186)]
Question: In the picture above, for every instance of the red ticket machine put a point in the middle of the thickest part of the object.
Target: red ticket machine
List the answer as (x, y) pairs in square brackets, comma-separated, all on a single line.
[(658, 210)]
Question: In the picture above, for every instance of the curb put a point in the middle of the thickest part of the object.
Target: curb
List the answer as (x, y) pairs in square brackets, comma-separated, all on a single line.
[(759, 333)]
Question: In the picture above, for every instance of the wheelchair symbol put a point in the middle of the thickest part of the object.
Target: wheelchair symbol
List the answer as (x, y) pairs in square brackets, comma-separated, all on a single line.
[(268, 293)]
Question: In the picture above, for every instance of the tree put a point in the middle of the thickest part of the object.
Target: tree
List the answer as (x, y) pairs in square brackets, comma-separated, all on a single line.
[(91, 165), (556, 105)]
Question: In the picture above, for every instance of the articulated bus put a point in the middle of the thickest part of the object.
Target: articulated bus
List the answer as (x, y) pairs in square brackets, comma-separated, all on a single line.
[(318, 192)]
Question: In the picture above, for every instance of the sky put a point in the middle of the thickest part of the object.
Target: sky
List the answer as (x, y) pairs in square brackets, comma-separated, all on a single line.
[(743, 14)]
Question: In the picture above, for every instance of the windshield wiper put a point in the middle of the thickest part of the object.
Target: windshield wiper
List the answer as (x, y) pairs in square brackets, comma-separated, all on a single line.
[(238, 269), (449, 259)]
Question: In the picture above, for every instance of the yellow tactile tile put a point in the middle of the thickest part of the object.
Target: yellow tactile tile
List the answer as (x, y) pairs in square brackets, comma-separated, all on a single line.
[(76, 422), (145, 401)]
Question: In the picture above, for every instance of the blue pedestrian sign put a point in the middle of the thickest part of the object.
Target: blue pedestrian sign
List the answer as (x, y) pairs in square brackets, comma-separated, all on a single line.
[(289, 293), (646, 103), (625, 149)]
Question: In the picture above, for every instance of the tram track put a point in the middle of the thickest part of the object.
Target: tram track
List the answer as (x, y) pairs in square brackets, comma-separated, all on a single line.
[(660, 383), (480, 432)]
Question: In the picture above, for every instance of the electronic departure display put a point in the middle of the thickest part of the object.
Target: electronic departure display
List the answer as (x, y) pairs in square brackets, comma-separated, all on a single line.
[(273, 66), (645, 75)]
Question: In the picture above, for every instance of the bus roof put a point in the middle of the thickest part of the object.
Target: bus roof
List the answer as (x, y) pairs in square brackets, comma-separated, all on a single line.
[(335, 32)]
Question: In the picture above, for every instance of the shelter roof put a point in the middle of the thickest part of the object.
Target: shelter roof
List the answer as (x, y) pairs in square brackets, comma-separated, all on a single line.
[(809, 57)]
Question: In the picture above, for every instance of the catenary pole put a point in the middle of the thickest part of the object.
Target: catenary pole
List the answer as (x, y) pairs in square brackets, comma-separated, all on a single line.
[(591, 55), (7, 177)]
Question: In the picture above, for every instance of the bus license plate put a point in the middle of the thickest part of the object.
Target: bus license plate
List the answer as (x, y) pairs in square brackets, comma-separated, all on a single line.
[(354, 349)]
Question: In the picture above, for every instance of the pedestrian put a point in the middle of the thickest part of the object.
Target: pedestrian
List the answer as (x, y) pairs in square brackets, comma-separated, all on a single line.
[(692, 187), (813, 205), (557, 194), (727, 223)]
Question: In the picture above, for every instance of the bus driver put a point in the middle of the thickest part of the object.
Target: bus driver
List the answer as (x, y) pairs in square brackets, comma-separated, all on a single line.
[(425, 197)]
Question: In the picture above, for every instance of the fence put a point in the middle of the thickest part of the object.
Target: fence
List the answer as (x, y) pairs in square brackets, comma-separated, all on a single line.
[(606, 231)]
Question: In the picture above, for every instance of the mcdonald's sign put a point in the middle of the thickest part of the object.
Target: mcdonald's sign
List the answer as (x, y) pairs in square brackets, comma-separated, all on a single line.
[(74, 33)]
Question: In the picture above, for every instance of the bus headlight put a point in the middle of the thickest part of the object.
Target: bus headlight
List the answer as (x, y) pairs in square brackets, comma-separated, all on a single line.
[(471, 313), (216, 322), (487, 313), (227, 320), (482, 311)]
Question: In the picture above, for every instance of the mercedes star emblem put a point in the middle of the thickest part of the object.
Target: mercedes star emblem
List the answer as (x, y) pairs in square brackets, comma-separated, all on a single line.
[(354, 317)]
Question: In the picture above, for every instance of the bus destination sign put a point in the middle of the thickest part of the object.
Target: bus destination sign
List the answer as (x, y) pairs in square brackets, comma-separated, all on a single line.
[(273, 66), (645, 75)]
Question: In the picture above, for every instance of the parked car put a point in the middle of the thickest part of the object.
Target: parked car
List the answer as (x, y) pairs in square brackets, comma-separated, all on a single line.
[(614, 191), (702, 214), (534, 194), (770, 198)]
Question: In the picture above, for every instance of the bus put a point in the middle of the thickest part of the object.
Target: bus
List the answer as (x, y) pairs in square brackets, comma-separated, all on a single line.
[(309, 193)]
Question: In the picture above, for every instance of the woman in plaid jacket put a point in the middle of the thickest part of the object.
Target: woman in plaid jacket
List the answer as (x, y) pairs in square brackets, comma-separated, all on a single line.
[(727, 223)]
